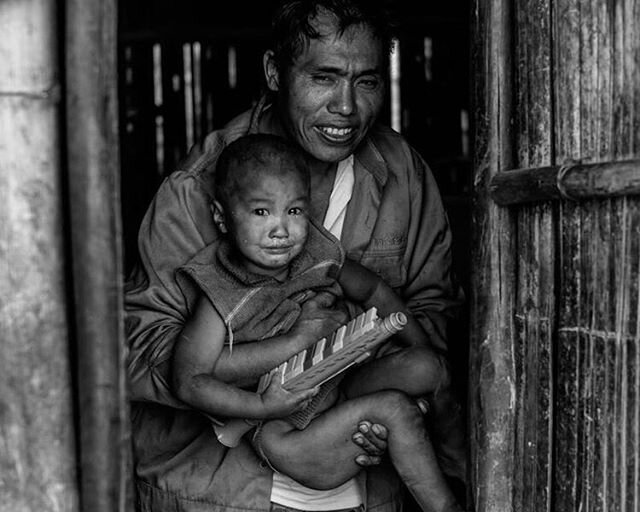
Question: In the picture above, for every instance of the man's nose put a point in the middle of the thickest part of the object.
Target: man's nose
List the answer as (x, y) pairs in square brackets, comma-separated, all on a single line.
[(343, 101)]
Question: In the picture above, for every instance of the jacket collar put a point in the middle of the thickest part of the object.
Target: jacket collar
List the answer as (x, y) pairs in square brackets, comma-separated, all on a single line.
[(370, 158)]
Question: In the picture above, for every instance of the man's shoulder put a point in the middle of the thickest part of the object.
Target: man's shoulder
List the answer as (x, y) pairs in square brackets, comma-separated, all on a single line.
[(218, 139), (204, 153), (383, 135)]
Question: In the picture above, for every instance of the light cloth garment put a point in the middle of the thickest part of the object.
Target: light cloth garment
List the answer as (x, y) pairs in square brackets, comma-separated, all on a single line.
[(285, 490), (339, 199)]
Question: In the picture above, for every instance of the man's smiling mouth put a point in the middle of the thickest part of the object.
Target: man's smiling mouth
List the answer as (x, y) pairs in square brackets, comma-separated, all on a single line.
[(336, 134)]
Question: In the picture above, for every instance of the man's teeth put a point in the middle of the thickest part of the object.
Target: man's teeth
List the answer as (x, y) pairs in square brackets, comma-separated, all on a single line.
[(337, 132)]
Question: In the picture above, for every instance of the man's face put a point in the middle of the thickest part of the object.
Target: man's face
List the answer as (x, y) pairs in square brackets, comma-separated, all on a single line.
[(267, 219), (333, 92)]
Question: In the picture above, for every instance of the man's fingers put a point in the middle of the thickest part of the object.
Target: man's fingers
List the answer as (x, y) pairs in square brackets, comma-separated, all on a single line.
[(374, 432), (380, 432), (372, 438), (367, 460)]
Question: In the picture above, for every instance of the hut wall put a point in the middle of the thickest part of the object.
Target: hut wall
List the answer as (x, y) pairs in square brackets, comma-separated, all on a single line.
[(64, 443), (37, 431), (555, 402)]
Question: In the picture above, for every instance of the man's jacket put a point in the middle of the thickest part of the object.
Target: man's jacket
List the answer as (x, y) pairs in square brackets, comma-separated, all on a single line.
[(395, 225)]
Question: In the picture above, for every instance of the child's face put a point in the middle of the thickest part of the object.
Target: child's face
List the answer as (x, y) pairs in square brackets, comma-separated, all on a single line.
[(268, 220)]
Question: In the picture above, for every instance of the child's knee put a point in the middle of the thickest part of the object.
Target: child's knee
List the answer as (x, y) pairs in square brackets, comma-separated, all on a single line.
[(422, 364), (268, 440), (397, 408)]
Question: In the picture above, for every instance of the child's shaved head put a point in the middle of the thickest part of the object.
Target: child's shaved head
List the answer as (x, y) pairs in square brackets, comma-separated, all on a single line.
[(256, 153)]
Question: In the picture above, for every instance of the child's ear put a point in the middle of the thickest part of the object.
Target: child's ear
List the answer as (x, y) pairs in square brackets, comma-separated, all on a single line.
[(218, 216)]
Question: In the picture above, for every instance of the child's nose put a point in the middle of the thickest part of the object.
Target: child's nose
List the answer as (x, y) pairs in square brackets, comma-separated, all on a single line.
[(280, 228)]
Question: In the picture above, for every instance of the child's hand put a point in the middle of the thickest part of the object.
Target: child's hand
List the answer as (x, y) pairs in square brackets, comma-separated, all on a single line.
[(278, 402)]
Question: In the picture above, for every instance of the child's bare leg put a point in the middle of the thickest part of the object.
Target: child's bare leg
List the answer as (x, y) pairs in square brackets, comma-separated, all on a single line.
[(322, 456), (420, 371), (414, 370)]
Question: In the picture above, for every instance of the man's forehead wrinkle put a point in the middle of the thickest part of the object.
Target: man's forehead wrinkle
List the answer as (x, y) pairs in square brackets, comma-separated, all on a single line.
[(327, 25)]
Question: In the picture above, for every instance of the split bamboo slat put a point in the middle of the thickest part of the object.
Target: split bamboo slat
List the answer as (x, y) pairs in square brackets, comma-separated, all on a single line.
[(492, 380), (37, 434), (536, 258), (96, 254)]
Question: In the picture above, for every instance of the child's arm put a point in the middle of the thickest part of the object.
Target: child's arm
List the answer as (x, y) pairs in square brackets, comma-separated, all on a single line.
[(197, 349), (364, 287)]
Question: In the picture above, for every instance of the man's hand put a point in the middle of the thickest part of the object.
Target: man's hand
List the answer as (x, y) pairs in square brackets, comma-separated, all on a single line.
[(372, 438), (318, 318)]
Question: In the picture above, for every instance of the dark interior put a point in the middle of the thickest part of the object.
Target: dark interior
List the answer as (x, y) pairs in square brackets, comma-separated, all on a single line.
[(188, 67)]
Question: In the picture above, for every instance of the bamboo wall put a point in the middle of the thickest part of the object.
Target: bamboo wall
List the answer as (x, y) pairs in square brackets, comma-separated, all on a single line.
[(555, 324), (37, 431), (64, 443)]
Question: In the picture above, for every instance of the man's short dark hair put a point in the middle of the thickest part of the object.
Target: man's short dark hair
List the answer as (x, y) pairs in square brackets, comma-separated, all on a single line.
[(292, 28), (259, 150)]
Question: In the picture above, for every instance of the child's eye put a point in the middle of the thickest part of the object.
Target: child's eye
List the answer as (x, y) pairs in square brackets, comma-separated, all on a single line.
[(260, 212), (295, 211)]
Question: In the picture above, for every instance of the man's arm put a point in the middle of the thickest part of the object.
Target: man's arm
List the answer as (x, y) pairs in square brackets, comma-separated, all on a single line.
[(364, 287), (176, 226), (431, 291)]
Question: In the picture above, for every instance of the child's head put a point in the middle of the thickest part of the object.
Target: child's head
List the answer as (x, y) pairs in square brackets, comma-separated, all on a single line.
[(261, 199)]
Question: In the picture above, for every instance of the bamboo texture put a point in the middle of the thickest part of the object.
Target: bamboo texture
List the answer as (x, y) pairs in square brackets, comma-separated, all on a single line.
[(571, 181), (37, 441), (94, 193), (492, 381)]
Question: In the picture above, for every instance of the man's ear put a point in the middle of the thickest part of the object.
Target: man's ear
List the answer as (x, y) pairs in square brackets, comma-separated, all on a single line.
[(271, 73), (217, 211)]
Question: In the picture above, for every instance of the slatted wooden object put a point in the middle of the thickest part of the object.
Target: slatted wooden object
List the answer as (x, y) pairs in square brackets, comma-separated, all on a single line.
[(349, 345)]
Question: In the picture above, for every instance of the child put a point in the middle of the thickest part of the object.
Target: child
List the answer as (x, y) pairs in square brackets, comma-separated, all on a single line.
[(254, 280)]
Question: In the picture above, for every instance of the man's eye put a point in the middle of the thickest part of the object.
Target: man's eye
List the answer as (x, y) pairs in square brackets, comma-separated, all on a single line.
[(369, 83), (261, 212), (322, 79)]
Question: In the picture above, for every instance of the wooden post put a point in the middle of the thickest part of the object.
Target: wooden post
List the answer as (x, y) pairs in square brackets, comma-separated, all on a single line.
[(94, 193), (535, 260), (492, 383), (37, 448)]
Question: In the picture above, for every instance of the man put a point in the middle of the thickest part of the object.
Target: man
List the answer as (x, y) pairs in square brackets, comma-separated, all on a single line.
[(326, 78)]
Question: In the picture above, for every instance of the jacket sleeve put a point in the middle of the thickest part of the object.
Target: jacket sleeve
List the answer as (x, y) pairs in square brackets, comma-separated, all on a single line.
[(431, 290), (176, 226)]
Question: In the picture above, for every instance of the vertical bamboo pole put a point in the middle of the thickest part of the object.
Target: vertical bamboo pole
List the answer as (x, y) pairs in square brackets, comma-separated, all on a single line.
[(492, 383), (94, 192), (37, 452), (535, 311)]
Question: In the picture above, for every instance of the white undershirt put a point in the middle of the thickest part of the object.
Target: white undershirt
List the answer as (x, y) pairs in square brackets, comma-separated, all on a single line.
[(286, 491), (339, 198)]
